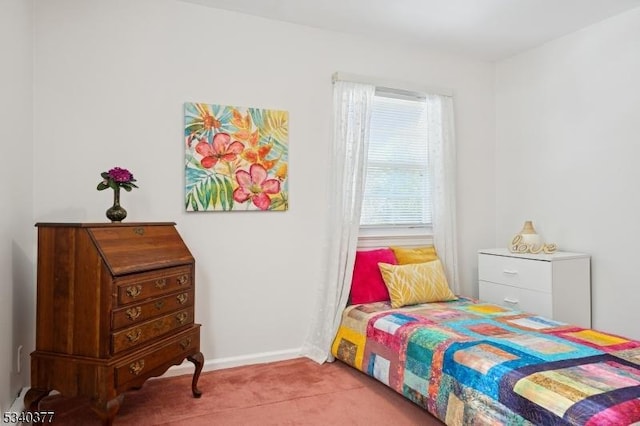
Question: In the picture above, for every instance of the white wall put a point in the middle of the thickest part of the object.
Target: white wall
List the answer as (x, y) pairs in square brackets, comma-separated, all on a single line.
[(568, 127), (16, 209), (111, 77), (110, 81)]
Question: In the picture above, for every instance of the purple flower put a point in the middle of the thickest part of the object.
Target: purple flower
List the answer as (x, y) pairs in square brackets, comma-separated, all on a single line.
[(120, 175), (117, 178)]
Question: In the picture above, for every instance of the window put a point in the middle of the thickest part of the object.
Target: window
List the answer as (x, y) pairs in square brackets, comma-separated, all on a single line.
[(397, 196)]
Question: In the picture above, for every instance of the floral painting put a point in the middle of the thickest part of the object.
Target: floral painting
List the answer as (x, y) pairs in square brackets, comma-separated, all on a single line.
[(236, 158)]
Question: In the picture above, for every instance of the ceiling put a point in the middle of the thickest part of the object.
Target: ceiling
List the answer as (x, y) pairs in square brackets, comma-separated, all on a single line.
[(483, 29)]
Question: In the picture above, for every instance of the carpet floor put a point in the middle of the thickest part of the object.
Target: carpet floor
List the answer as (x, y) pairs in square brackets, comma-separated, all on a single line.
[(293, 392)]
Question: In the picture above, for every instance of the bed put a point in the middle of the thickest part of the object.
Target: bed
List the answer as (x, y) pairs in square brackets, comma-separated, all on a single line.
[(469, 362)]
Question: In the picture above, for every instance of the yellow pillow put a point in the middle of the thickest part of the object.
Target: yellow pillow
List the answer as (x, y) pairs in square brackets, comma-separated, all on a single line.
[(416, 283), (407, 255)]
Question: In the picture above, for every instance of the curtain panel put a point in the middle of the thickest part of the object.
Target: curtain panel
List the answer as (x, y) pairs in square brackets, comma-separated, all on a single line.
[(442, 159), (352, 103), (352, 114)]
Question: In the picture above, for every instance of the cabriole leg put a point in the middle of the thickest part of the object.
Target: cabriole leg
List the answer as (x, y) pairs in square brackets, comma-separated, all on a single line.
[(107, 411), (32, 400), (198, 361)]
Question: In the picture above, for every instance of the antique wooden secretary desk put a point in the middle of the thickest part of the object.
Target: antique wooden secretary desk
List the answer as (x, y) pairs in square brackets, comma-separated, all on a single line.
[(115, 307)]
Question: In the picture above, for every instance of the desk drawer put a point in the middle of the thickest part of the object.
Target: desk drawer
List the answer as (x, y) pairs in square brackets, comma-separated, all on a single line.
[(144, 332), (133, 314), (143, 366), (516, 272), (520, 299), (153, 284)]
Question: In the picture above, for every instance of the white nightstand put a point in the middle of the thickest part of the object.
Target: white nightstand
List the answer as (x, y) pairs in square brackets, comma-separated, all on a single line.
[(556, 286)]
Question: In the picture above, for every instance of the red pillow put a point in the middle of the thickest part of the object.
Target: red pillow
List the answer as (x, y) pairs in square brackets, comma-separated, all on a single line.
[(367, 284)]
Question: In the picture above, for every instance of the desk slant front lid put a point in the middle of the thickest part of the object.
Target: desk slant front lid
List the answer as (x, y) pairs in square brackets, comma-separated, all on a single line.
[(140, 247)]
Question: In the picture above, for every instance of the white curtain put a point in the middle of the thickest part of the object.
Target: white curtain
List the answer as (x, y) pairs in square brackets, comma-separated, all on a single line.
[(442, 158), (352, 114)]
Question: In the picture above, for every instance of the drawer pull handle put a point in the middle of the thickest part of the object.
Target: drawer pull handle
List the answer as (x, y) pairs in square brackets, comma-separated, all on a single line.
[(183, 279), (134, 313), (138, 231), (186, 343), (512, 301), (158, 326), (134, 291), (159, 304), (161, 283), (136, 367), (510, 271), (134, 335), (182, 317), (182, 298)]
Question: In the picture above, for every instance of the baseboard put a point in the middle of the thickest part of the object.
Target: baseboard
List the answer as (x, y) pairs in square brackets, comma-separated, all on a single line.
[(187, 368), (17, 406), (235, 361)]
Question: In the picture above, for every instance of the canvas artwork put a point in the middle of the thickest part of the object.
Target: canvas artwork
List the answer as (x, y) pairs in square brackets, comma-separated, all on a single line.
[(236, 158)]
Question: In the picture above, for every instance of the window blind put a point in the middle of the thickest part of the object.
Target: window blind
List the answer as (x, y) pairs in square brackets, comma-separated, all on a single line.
[(397, 189)]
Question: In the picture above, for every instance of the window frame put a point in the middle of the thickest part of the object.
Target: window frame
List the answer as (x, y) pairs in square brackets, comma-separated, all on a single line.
[(370, 236)]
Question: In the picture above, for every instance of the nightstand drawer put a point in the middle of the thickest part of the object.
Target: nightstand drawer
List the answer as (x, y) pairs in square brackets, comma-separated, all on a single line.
[(520, 299), (516, 272)]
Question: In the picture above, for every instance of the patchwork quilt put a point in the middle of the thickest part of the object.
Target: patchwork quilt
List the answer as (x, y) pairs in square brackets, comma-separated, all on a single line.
[(468, 362)]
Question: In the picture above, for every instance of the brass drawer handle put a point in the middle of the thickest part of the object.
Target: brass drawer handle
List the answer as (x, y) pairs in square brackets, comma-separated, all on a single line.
[(183, 279), (134, 291), (185, 343), (182, 298), (138, 231), (136, 367), (134, 313), (182, 317), (161, 283), (159, 304), (134, 335)]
